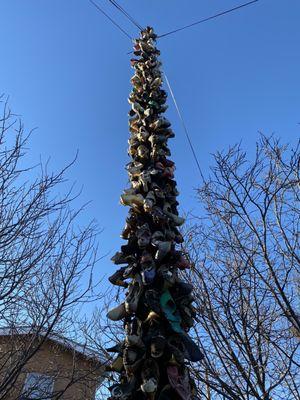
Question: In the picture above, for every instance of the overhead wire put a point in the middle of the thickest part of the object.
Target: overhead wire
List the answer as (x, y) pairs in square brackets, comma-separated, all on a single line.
[(205, 19), (111, 19), (208, 18), (127, 15), (184, 126), (113, 2)]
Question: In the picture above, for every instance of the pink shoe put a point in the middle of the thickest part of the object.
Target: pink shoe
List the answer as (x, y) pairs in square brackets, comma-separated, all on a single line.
[(180, 382)]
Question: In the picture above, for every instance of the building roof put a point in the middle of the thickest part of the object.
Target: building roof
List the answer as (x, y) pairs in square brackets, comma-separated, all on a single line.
[(67, 343)]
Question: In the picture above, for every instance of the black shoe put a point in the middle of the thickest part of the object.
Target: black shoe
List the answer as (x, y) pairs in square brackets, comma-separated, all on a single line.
[(118, 278), (120, 258), (152, 300), (117, 348), (193, 353), (158, 344)]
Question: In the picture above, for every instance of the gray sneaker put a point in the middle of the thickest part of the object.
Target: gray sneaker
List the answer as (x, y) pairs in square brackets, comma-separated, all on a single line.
[(135, 290), (150, 378), (117, 313), (175, 218)]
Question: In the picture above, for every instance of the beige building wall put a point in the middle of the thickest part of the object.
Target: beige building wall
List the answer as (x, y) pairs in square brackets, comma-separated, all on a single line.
[(74, 374)]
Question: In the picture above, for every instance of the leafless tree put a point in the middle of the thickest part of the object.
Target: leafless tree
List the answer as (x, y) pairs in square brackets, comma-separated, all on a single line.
[(46, 260), (245, 249), (101, 334)]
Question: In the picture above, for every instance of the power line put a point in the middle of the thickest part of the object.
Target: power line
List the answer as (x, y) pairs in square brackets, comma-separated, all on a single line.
[(208, 18), (111, 20), (127, 15), (184, 127)]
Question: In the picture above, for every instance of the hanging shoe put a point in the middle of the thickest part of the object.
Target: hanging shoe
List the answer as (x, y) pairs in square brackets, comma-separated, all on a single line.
[(117, 348), (134, 169), (156, 83), (168, 172), (121, 258), (180, 381), (132, 151), (168, 275), (175, 218), (149, 201), (136, 81), (143, 134), (152, 316), (117, 278), (145, 180), (177, 349), (194, 354), (163, 247), (132, 200), (131, 247), (148, 268), (168, 393), (147, 47), (157, 347), (134, 62), (168, 131), (132, 359), (133, 327), (117, 313), (137, 108), (181, 289), (170, 311), (150, 378), (116, 366), (151, 64), (158, 191), (143, 235), (131, 270), (159, 151), (123, 391), (148, 112), (127, 231), (159, 217), (157, 139), (160, 123), (134, 340), (182, 263), (163, 108), (135, 290), (142, 152), (188, 315), (152, 300)]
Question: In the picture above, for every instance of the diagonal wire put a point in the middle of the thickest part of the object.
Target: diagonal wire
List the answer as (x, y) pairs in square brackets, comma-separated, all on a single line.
[(184, 127), (127, 15), (209, 18), (111, 20), (205, 19)]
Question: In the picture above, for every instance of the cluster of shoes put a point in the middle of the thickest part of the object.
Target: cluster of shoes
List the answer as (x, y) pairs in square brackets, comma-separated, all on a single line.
[(157, 312)]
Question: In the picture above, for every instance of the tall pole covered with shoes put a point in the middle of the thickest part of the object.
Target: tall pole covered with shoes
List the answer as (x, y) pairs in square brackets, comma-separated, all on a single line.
[(153, 359)]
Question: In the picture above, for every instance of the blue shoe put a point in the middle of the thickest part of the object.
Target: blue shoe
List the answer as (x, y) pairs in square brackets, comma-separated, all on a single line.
[(171, 312)]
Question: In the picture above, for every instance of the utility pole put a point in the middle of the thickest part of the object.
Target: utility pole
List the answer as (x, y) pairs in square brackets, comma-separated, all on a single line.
[(157, 312)]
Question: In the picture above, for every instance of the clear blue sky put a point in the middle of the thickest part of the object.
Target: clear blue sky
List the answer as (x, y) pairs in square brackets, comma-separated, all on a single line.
[(67, 72)]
